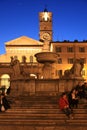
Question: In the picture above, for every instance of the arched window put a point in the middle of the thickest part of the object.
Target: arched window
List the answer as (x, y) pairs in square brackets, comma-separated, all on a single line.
[(5, 80), (33, 76)]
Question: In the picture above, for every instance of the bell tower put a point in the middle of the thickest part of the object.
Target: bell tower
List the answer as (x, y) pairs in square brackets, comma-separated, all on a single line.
[(45, 25)]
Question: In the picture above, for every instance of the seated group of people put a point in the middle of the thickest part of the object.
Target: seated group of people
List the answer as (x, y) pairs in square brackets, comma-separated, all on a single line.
[(69, 101)]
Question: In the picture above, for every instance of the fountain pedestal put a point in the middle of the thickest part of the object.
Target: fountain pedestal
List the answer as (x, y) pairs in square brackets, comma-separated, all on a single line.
[(47, 59)]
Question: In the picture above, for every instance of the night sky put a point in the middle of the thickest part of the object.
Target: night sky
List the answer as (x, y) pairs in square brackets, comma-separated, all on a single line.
[(21, 18)]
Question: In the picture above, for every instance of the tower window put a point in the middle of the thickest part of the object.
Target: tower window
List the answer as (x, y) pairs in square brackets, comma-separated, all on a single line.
[(45, 16)]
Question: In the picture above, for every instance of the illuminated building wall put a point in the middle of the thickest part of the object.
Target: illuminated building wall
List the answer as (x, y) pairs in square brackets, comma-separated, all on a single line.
[(68, 52)]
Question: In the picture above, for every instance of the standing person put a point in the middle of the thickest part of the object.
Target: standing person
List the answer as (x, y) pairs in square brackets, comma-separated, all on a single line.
[(8, 90), (64, 106), (73, 98), (82, 93), (4, 103), (3, 89), (80, 87)]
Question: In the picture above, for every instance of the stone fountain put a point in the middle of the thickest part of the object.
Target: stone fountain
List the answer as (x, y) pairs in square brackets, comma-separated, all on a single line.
[(22, 84), (47, 58)]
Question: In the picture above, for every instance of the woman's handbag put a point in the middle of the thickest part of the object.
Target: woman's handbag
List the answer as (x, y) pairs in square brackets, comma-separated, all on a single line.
[(2, 108)]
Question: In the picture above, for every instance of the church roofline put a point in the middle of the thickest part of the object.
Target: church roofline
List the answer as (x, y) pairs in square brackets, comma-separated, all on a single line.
[(23, 40)]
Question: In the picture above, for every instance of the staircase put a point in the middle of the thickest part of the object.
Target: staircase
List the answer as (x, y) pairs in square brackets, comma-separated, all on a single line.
[(41, 113)]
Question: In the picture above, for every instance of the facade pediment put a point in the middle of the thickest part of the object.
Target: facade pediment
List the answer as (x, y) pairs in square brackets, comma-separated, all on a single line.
[(23, 40)]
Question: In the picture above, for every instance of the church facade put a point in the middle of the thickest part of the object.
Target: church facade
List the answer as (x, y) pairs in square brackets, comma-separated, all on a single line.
[(25, 48)]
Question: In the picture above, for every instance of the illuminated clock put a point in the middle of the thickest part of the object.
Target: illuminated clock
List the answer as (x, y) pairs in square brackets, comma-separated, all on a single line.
[(46, 36)]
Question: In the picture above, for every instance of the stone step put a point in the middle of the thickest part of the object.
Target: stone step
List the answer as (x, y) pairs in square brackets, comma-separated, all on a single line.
[(45, 101), (44, 104), (37, 122), (41, 107), (77, 122), (40, 116), (40, 99), (47, 110), (42, 111), (44, 122)]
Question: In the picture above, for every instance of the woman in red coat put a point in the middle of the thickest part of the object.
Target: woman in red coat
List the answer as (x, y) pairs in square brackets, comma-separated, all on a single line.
[(64, 105)]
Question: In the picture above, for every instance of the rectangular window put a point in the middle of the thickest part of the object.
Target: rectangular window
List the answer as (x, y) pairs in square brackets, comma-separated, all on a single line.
[(70, 60), (59, 73), (69, 49), (59, 61), (58, 49), (83, 72), (81, 49), (83, 60)]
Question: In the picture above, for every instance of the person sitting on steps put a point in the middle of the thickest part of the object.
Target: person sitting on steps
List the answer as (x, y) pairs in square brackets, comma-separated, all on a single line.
[(73, 98), (64, 106)]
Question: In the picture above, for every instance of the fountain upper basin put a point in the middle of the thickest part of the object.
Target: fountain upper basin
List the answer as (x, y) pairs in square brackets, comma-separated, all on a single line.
[(44, 57)]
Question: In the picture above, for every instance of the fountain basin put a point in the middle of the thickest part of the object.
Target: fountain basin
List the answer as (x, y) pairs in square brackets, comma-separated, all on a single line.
[(44, 57)]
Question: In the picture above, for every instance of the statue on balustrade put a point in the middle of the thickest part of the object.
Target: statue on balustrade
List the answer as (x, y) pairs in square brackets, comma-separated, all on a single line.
[(15, 66), (18, 70)]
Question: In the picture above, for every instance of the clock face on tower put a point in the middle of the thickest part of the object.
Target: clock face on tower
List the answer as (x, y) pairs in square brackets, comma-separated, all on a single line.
[(46, 36)]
